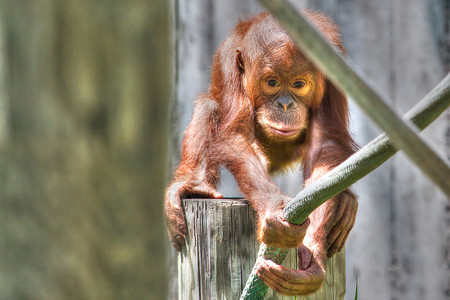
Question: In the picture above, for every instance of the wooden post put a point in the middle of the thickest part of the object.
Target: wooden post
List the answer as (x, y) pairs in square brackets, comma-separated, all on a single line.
[(221, 249)]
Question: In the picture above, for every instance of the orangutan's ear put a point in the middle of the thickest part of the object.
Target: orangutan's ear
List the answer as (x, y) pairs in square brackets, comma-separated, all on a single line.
[(240, 61)]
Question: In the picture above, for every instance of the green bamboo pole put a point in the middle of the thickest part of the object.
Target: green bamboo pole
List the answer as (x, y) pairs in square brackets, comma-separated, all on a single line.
[(403, 135), (354, 168)]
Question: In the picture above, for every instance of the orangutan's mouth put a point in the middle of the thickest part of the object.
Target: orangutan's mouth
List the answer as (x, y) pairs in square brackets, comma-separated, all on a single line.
[(286, 131)]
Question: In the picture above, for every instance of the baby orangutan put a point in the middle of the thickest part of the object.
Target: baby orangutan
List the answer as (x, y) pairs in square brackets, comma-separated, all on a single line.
[(267, 108)]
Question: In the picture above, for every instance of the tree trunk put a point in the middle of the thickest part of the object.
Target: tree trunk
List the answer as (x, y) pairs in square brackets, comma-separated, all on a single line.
[(221, 249)]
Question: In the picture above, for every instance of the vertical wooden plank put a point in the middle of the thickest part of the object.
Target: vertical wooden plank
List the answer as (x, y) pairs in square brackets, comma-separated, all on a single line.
[(193, 57), (419, 208)]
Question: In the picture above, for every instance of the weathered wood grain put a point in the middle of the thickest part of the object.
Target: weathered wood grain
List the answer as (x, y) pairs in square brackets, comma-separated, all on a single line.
[(221, 250)]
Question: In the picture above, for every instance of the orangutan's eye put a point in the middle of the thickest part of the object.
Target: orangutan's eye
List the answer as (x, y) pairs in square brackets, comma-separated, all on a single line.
[(270, 86), (298, 84), (273, 83)]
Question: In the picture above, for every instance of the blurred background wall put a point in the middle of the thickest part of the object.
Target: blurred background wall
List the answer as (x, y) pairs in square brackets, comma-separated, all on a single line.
[(400, 246), (84, 94)]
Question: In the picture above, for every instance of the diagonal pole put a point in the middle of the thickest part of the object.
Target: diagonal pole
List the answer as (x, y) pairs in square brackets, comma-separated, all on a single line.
[(402, 134), (354, 168)]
